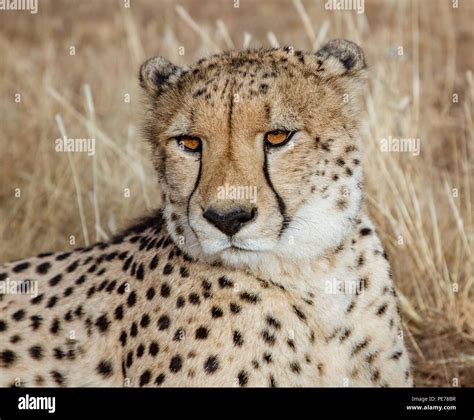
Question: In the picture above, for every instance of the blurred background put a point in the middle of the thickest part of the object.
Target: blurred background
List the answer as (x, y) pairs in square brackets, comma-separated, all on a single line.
[(71, 69)]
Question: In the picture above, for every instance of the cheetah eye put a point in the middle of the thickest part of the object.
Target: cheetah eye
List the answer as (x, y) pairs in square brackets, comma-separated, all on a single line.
[(189, 143), (278, 138)]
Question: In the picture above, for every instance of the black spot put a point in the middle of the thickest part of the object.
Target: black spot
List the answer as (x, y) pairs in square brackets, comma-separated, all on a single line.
[(154, 348), (52, 302), (58, 353), (63, 256), (224, 282), (163, 322), (295, 367), (121, 288), (102, 285), (123, 338), (111, 286), (92, 268), (238, 340), (194, 298), (216, 312), (176, 364), (81, 279), (160, 379), (291, 344), (21, 267), (179, 334), (365, 231), (145, 378), (168, 269), (45, 254), (235, 308), (36, 352), (58, 377), (150, 293), (202, 333), (68, 291), (272, 322), (72, 267), (165, 290), (268, 337), (249, 297), (118, 313), (55, 280), (7, 358), (243, 378), (154, 262), (180, 302), (140, 272), (102, 323), (3, 325), (126, 264), (206, 285), (299, 313), (211, 364), (129, 361), (145, 321), (18, 315), (345, 334), (359, 347), (134, 329), (396, 355), (132, 299), (55, 326), (43, 268), (272, 382), (263, 88), (381, 310), (184, 272), (105, 368), (140, 350), (36, 321), (267, 357)]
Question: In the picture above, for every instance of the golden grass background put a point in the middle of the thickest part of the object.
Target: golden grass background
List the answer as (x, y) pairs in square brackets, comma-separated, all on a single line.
[(422, 205)]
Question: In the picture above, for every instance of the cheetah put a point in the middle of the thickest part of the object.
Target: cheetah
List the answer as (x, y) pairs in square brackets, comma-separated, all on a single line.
[(221, 287)]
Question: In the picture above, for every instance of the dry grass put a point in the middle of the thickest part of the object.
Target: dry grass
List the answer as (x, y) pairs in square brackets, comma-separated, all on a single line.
[(422, 204)]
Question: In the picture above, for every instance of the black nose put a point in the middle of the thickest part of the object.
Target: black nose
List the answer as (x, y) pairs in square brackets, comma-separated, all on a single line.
[(230, 222)]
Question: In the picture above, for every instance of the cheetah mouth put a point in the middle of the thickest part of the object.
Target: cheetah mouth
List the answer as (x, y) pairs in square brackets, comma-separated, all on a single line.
[(238, 248)]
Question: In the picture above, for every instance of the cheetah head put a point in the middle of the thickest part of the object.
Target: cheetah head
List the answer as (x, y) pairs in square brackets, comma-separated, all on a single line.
[(258, 151)]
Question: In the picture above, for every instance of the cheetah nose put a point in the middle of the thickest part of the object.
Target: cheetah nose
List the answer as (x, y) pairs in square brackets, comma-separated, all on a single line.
[(232, 221)]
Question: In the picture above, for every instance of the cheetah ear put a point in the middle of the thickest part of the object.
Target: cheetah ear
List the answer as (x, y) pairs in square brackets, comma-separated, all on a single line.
[(156, 73), (340, 57)]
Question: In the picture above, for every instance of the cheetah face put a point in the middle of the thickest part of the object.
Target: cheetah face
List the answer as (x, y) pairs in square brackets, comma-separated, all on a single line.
[(257, 151)]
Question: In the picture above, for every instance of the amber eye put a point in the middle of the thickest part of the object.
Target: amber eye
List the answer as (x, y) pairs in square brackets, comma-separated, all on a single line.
[(189, 143), (278, 137)]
